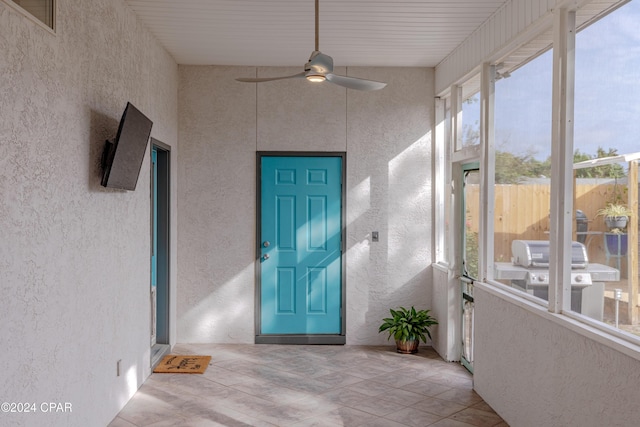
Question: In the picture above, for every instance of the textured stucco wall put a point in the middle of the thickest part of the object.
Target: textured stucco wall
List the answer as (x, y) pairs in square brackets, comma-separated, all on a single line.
[(74, 257), (535, 372), (389, 190), (387, 137), (216, 234)]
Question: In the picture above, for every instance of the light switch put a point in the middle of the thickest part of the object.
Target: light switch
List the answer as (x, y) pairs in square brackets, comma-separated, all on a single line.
[(374, 236)]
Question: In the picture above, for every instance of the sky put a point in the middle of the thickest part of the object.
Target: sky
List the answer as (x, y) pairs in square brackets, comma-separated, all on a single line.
[(607, 92)]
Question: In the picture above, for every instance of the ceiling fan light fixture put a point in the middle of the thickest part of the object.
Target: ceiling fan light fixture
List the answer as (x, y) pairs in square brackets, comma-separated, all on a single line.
[(316, 78), (319, 68)]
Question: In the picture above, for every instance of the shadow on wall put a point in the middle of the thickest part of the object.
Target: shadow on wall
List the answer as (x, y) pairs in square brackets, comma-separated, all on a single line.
[(413, 292), (392, 196), (388, 144), (102, 128), (203, 323), (390, 193)]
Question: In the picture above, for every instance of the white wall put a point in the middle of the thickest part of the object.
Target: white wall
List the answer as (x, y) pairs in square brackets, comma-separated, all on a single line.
[(74, 257), (387, 137), (536, 371), (447, 308)]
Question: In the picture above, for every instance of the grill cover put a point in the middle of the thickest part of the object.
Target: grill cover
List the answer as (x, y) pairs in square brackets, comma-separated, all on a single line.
[(535, 253)]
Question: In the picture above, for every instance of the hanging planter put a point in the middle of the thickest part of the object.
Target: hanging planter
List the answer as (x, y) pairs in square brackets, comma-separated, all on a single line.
[(616, 222), (615, 216)]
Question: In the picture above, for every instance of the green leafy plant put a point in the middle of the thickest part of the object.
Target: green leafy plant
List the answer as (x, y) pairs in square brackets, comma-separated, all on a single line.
[(408, 324)]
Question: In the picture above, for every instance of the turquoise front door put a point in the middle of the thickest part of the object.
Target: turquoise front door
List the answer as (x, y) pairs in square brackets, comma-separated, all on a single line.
[(300, 246)]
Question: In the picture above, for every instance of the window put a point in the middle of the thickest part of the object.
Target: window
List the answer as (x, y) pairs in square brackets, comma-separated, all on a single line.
[(606, 115), (42, 10), (605, 264), (601, 122), (469, 130), (523, 171)]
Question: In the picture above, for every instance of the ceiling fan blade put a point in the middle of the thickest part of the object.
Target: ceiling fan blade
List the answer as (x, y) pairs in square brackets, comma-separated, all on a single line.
[(269, 79), (354, 82)]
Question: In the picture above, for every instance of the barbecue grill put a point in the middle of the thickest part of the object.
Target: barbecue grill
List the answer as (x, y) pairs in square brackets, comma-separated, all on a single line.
[(529, 271)]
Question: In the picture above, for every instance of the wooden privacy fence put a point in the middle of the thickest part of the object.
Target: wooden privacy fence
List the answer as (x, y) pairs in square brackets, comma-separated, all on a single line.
[(522, 212)]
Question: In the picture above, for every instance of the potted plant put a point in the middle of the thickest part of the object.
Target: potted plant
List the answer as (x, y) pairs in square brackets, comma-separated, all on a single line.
[(408, 327), (615, 215)]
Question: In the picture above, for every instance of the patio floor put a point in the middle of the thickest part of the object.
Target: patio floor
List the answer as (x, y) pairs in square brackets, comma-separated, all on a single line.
[(282, 385)]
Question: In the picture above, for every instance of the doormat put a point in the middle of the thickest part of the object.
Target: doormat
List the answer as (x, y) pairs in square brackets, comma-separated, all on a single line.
[(176, 364)]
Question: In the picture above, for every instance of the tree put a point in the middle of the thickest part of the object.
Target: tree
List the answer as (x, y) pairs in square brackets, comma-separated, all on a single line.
[(603, 171), (513, 169)]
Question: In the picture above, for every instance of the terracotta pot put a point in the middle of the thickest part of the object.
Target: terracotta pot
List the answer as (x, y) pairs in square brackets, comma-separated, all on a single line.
[(407, 347)]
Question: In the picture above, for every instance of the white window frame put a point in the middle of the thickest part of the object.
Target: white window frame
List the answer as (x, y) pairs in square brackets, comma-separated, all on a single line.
[(561, 212), (33, 18), (440, 168), (558, 308)]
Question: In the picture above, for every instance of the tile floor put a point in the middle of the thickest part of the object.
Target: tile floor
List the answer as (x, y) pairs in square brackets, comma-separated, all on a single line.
[(282, 385)]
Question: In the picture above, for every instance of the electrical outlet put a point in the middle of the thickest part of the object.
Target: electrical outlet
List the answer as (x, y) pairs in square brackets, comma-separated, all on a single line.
[(375, 236)]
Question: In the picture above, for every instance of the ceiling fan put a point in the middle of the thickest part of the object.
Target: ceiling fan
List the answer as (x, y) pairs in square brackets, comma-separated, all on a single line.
[(320, 68)]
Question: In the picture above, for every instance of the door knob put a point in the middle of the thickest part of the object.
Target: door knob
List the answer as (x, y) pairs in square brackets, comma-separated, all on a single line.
[(266, 244), (265, 256)]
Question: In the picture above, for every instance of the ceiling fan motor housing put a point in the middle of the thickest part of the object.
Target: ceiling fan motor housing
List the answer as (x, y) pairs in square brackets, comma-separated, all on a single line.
[(318, 67)]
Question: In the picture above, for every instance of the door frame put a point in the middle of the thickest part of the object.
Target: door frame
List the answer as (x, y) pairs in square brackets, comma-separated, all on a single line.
[(466, 281), (300, 338), (163, 256)]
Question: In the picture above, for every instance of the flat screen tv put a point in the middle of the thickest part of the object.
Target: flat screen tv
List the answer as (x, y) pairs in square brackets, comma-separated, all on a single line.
[(122, 157)]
